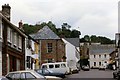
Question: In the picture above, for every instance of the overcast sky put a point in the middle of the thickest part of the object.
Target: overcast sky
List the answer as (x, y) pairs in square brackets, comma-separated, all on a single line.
[(91, 17)]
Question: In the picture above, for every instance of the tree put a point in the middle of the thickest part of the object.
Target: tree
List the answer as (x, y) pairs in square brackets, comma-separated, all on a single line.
[(95, 39), (66, 26), (87, 38), (62, 32), (75, 34)]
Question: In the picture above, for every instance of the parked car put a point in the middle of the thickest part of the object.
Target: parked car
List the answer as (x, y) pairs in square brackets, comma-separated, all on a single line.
[(102, 68), (86, 68), (57, 67), (47, 72), (115, 75), (29, 75), (3, 78), (24, 75), (53, 78)]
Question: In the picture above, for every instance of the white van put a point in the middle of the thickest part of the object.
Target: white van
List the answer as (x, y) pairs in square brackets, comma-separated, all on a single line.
[(57, 67)]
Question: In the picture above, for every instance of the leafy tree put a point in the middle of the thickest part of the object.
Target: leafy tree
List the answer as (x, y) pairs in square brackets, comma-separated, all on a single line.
[(67, 26), (75, 34), (62, 32), (95, 39), (87, 38)]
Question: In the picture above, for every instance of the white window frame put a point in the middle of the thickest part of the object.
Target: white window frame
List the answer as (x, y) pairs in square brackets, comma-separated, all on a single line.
[(99, 56), (15, 38), (11, 34), (94, 63), (8, 34), (105, 55), (1, 25), (20, 42), (94, 56)]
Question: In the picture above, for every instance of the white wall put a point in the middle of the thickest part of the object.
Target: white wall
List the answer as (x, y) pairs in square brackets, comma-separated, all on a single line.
[(97, 59), (70, 54)]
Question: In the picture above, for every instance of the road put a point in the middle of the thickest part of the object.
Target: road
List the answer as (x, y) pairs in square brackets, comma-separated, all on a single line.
[(91, 75)]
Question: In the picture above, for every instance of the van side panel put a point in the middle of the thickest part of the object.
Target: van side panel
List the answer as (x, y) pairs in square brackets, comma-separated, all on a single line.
[(58, 67)]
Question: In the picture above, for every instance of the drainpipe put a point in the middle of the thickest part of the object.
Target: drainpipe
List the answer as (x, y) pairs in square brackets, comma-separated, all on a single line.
[(56, 52), (39, 53)]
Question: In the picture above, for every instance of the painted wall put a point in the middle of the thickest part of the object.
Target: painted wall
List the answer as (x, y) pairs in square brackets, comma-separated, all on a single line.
[(98, 59), (71, 55)]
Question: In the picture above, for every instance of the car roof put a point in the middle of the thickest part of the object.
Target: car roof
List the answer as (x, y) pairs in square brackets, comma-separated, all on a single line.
[(32, 71), (54, 63), (22, 71)]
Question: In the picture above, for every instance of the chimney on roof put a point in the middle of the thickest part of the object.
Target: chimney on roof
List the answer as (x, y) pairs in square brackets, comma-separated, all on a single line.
[(6, 11), (20, 24)]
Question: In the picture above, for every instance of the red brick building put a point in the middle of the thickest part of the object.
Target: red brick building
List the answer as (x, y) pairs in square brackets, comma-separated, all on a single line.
[(52, 48)]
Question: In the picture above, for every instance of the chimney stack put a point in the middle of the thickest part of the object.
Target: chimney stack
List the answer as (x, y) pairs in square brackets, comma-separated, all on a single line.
[(6, 11), (20, 24)]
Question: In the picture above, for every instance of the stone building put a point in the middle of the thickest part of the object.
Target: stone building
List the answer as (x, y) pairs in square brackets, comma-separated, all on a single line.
[(99, 55), (13, 44), (52, 48)]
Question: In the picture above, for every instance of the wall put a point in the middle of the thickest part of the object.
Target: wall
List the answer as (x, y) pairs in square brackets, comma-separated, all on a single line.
[(71, 54), (58, 52), (97, 59)]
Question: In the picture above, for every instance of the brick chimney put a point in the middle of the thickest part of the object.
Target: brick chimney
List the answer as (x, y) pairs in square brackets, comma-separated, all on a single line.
[(20, 24), (6, 11)]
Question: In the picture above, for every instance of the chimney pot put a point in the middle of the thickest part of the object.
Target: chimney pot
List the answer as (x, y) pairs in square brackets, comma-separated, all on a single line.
[(6, 11), (20, 24)]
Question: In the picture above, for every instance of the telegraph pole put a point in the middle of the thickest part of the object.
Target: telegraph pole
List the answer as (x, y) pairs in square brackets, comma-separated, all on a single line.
[(118, 36)]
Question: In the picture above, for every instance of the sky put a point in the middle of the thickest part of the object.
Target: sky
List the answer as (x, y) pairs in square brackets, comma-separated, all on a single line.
[(90, 17)]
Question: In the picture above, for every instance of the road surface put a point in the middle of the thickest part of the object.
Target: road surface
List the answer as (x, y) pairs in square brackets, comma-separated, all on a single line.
[(93, 74)]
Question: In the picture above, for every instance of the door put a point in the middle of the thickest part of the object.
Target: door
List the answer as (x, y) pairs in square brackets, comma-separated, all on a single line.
[(12, 63)]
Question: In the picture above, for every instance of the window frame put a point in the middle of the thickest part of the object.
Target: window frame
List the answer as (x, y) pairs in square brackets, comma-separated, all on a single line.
[(51, 65), (94, 63), (49, 47), (20, 42), (57, 65), (100, 63), (94, 56), (9, 34), (99, 56), (105, 56), (1, 29), (15, 39)]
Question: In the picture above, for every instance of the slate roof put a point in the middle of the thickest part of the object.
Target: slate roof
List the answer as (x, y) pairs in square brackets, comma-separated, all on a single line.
[(101, 49), (12, 25), (45, 33), (74, 41)]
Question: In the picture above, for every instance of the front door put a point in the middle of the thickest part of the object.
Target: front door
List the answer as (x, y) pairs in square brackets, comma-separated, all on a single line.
[(12, 63)]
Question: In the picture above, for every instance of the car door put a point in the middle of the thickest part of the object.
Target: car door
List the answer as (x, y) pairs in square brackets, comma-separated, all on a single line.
[(27, 76), (14, 76)]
